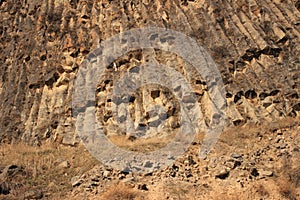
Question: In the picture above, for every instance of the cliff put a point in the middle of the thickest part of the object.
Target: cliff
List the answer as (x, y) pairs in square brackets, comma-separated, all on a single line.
[(255, 45)]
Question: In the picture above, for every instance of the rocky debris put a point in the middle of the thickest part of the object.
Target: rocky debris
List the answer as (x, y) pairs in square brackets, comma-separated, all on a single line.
[(254, 172), (255, 161), (236, 156), (76, 181), (254, 44), (106, 174), (223, 174), (265, 173), (143, 187)]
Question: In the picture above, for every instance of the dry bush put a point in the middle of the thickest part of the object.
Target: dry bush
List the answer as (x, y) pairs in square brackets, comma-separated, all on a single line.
[(291, 169), (40, 168), (227, 197), (289, 179), (255, 191), (261, 191), (287, 189), (120, 191), (141, 144)]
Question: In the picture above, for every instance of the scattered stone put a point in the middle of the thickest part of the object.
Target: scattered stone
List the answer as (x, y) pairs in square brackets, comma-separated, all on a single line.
[(171, 157), (188, 174), (106, 173), (243, 174), (280, 145), (186, 162), (230, 164), (64, 164), (265, 173), (248, 79), (95, 179), (88, 189), (121, 176), (223, 174), (236, 156), (143, 187), (254, 172), (76, 181), (148, 164), (279, 132), (93, 183)]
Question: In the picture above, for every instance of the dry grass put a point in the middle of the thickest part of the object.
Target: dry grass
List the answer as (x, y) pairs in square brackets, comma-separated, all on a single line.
[(289, 179), (287, 189), (141, 144), (262, 191), (121, 191), (41, 170), (240, 138)]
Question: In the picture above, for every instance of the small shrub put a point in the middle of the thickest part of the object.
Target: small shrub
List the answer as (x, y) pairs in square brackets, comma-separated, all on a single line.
[(287, 189), (120, 191)]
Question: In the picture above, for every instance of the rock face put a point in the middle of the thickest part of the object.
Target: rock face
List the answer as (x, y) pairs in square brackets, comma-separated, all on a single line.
[(254, 43)]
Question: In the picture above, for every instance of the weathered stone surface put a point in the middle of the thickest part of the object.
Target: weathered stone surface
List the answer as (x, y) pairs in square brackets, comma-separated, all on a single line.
[(76, 181), (254, 43)]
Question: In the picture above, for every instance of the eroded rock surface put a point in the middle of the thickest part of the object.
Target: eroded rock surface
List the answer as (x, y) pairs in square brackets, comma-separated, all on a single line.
[(254, 43)]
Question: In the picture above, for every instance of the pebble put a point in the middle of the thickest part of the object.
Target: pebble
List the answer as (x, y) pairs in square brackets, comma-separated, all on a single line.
[(64, 164), (94, 183), (265, 173), (279, 132), (280, 145), (222, 174), (106, 173), (236, 155), (143, 187), (76, 181)]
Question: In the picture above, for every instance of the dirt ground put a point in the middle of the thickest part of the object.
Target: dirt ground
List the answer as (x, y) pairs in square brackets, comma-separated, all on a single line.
[(250, 162)]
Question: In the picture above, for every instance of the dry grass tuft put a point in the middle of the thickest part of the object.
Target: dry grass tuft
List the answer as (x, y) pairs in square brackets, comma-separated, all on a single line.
[(287, 189), (41, 170), (262, 191), (120, 191), (141, 144)]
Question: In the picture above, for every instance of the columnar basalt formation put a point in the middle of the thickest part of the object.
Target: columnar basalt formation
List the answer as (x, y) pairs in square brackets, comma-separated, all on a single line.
[(255, 45)]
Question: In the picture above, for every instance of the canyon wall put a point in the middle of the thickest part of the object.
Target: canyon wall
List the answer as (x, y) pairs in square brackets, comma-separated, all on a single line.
[(255, 45)]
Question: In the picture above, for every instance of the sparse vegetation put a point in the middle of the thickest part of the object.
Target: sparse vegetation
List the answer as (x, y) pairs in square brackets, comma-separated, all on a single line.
[(121, 191), (48, 170), (41, 168), (287, 189), (141, 145)]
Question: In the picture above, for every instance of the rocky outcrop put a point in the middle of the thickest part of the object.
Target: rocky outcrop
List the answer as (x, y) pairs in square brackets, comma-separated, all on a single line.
[(254, 43), (243, 158)]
